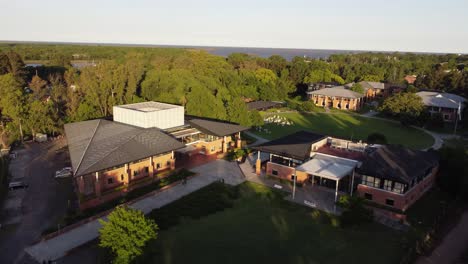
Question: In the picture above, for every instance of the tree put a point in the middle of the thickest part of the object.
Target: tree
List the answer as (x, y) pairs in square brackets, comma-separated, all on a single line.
[(323, 75), (407, 106), (126, 233), (357, 87), (13, 102)]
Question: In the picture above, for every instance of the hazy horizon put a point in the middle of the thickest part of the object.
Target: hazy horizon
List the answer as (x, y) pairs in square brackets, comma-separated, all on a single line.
[(365, 25)]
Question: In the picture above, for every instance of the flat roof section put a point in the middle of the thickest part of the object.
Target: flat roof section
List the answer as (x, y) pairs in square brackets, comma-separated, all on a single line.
[(149, 106), (329, 167)]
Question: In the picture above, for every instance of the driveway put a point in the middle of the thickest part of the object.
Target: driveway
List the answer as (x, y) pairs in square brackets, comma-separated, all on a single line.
[(26, 213), (57, 247)]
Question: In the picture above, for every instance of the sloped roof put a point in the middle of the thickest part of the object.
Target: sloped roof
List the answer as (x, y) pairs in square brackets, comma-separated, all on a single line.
[(446, 100), (216, 128), (398, 163), (256, 105), (374, 85), (297, 146), (101, 144), (338, 91)]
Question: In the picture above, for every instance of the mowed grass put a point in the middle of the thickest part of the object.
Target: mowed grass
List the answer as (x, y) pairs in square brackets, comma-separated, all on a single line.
[(349, 126), (261, 227)]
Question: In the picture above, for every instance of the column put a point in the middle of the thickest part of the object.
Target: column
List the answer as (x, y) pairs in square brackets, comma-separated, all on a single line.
[(239, 141), (352, 183), (224, 145), (258, 164), (80, 183), (172, 160), (151, 171), (126, 175), (97, 186), (312, 179), (336, 190)]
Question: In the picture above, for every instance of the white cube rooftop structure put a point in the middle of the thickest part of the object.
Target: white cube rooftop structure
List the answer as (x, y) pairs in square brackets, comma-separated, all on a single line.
[(150, 114)]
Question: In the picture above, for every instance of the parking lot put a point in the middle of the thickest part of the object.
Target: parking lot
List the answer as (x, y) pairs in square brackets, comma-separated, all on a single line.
[(26, 213)]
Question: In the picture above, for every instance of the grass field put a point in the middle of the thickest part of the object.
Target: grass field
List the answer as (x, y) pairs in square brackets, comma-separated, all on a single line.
[(349, 126), (261, 227)]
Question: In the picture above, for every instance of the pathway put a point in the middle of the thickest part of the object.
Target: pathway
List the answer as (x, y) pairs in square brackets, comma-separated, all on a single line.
[(452, 246), (259, 140), (60, 245)]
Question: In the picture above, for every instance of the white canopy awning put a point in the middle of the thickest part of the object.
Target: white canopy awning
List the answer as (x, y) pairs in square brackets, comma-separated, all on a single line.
[(329, 167)]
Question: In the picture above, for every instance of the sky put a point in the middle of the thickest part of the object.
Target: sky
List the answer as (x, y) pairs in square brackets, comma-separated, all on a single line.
[(391, 25)]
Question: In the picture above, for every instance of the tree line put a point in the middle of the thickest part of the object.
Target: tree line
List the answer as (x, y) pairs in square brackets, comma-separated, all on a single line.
[(41, 99)]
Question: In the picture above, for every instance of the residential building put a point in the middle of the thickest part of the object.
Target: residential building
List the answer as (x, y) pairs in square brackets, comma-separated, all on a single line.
[(449, 106), (338, 97), (140, 146), (395, 176)]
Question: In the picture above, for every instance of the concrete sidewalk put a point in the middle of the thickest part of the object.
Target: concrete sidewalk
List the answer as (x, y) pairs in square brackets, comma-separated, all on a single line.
[(60, 245)]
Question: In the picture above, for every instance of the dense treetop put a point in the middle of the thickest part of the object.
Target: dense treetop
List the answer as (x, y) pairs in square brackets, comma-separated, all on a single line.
[(207, 85)]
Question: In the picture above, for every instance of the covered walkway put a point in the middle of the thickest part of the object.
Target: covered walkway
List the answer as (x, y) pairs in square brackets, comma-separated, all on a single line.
[(322, 168)]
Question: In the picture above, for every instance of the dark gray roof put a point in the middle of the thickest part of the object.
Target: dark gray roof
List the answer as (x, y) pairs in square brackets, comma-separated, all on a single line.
[(297, 146), (259, 105), (101, 144), (216, 128), (398, 163)]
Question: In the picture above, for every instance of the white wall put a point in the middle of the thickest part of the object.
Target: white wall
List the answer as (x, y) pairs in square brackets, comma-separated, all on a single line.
[(163, 119)]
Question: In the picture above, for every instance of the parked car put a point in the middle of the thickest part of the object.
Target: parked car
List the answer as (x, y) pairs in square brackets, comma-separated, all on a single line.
[(17, 185), (64, 173)]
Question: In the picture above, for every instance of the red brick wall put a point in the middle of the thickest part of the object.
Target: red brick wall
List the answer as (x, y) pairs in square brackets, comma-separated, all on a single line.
[(284, 172), (354, 104), (402, 201)]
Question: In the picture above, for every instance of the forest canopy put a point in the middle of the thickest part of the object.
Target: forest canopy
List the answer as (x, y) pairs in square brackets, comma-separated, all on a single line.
[(80, 82)]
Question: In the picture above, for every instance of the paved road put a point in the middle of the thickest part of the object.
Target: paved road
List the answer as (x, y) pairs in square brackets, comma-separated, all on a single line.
[(452, 247), (40, 206), (59, 246)]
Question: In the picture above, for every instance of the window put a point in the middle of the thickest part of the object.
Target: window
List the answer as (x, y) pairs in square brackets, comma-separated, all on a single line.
[(146, 169), (389, 202), (446, 117), (292, 177), (388, 185), (168, 163), (398, 188), (212, 148), (274, 172), (368, 196), (121, 177), (110, 180), (371, 181), (158, 166), (136, 173)]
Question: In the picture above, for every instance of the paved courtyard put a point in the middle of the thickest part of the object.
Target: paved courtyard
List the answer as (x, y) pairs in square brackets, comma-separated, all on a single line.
[(314, 197), (59, 246)]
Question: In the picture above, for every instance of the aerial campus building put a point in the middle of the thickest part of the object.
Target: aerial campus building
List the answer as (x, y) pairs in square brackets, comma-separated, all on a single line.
[(142, 143), (388, 175)]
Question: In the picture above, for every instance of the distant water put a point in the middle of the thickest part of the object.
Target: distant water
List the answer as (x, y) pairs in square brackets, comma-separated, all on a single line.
[(267, 52), (221, 51)]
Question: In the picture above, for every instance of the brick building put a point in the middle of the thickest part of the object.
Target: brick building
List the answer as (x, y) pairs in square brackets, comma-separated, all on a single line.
[(391, 176), (338, 97), (143, 142), (396, 177), (449, 106)]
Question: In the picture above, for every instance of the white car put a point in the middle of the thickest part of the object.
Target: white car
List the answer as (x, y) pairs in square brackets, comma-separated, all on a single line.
[(64, 173)]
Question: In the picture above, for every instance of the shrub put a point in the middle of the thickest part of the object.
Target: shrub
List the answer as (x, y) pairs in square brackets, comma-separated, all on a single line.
[(376, 138)]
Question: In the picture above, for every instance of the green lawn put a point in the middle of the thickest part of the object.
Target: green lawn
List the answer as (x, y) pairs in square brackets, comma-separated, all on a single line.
[(349, 126), (261, 227)]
